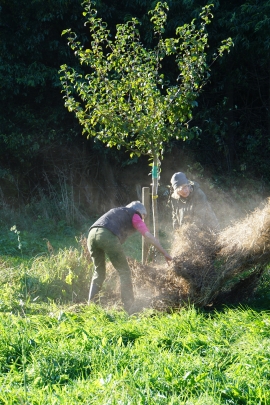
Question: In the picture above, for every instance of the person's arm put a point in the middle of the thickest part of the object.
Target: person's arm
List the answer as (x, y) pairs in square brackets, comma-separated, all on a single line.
[(139, 224), (157, 245), (175, 221)]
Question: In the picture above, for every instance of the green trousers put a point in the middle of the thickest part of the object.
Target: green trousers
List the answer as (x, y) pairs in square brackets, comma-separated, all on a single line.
[(103, 242)]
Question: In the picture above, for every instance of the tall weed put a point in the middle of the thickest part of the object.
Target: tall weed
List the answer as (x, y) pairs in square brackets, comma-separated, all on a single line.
[(62, 277)]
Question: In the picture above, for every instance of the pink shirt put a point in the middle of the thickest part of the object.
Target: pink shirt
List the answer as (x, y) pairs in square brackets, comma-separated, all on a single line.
[(138, 224)]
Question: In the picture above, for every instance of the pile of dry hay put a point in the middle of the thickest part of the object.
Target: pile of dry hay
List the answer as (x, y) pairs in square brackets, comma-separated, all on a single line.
[(207, 268)]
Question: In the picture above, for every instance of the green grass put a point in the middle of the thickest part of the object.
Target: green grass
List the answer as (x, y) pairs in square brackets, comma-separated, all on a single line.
[(90, 356), (29, 244), (54, 349)]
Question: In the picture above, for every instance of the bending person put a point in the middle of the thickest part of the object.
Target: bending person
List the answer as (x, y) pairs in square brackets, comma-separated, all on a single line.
[(107, 235)]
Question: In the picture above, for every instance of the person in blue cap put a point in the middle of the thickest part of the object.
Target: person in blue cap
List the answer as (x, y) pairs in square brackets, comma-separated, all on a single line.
[(190, 205), (106, 237)]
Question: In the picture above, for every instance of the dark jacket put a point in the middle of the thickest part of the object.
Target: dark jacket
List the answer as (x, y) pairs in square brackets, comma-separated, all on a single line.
[(194, 209), (118, 221)]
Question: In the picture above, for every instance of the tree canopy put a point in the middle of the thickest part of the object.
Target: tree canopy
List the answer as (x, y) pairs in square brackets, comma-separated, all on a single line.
[(125, 99), (232, 110)]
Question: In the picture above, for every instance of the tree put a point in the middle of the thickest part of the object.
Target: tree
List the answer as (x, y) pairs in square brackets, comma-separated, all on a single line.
[(123, 97)]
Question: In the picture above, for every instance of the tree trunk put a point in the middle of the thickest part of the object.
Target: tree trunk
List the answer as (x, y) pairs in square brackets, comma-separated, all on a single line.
[(155, 171), (146, 203)]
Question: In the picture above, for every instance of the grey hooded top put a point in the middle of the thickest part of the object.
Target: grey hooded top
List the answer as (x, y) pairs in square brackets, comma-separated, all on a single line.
[(194, 209)]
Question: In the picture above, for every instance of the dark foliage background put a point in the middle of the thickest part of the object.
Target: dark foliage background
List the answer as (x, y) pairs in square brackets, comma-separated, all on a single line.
[(39, 138)]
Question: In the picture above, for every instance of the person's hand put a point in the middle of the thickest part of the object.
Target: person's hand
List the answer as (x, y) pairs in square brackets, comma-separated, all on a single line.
[(168, 258)]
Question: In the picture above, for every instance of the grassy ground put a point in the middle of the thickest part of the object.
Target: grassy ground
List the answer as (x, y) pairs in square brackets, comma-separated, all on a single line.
[(54, 349), (85, 355)]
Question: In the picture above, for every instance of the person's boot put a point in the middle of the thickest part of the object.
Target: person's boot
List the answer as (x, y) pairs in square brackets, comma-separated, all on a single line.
[(128, 305), (127, 296), (134, 308), (93, 291)]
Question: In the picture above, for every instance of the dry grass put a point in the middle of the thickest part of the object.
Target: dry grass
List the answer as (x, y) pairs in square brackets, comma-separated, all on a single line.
[(227, 265), (207, 268)]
